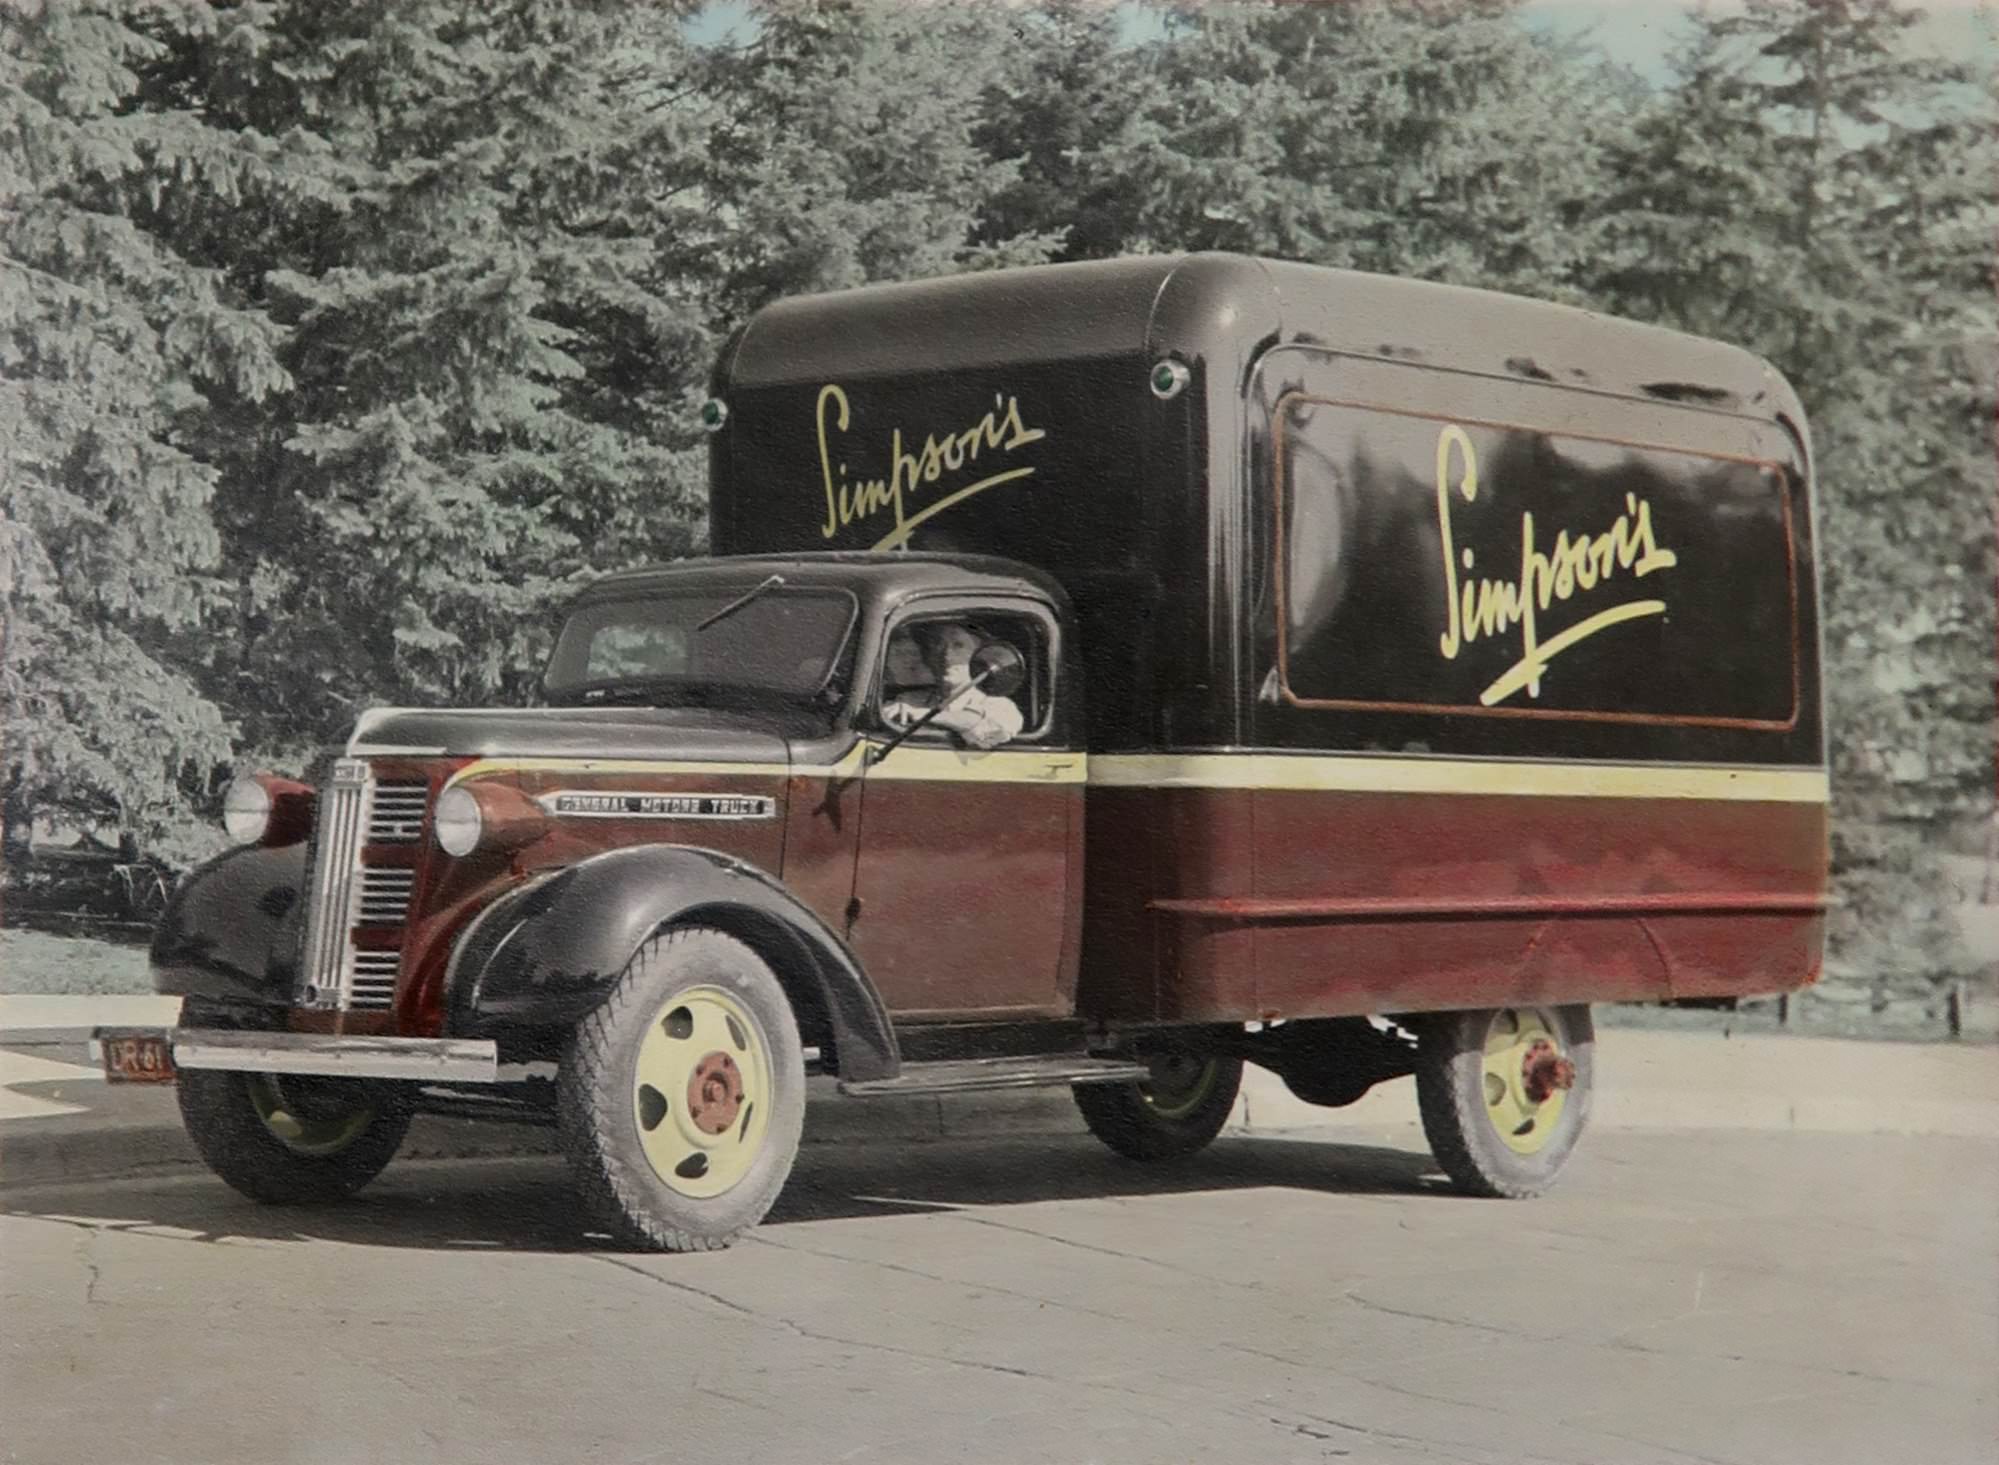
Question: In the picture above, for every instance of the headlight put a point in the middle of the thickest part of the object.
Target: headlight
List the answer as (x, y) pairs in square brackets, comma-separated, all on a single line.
[(487, 817), (246, 810), (457, 822)]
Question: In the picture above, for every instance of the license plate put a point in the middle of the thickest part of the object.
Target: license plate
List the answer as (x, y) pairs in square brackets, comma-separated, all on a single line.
[(137, 1057)]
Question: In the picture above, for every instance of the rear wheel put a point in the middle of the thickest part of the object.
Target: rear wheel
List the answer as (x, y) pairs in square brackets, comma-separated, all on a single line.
[(681, 1099), (288, 1139), (1504, 1094), (1176, 1111)]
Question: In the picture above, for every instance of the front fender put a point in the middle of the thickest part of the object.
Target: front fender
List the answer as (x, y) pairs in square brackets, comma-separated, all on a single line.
[(546, 954), (232, 930)]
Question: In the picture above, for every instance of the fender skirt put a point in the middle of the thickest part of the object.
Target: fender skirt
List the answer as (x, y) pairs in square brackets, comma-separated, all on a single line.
[(545, 955)]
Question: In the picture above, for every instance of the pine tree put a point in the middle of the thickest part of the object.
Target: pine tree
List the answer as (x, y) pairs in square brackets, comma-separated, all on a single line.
[(846, 148), (1439, 141), (492, 389), (1815, 188), (118, 353), (1065, 102)]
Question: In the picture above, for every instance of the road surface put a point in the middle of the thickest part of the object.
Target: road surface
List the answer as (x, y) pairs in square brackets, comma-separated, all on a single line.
[(1720, 1295)]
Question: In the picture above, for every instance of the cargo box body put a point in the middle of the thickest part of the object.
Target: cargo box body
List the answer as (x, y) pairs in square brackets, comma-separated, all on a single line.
[(1442, 649)]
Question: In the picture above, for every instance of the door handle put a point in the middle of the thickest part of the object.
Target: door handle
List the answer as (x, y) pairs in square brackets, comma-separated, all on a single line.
[(1055, 769)]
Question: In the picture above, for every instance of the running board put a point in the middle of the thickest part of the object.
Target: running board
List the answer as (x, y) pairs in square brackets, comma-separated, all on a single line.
[(968, 1075)]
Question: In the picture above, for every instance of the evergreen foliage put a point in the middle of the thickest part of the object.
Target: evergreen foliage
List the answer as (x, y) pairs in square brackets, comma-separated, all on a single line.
[(1814, 188), (338, 339), (846, 149), (117, 351), (1420, 140)]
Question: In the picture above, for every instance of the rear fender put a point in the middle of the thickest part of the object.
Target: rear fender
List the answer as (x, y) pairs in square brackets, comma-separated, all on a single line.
[(545, 955)]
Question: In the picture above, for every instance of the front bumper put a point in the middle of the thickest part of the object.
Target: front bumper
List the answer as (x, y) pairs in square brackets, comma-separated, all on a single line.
[(424, 1060)]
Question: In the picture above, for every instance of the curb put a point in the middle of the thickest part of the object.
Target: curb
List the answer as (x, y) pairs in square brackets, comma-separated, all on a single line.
[(78, 1151), (1656, 1082), (126, 1151)]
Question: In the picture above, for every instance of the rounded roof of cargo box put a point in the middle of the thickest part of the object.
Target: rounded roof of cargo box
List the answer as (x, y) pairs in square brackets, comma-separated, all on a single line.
[(1187, 303)]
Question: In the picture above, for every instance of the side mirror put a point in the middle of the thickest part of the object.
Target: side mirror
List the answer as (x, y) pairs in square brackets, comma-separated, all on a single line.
[(996, 668), (999, 669)]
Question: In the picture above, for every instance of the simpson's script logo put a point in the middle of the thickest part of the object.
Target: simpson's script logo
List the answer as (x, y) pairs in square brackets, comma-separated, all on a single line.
[(855, 500), (1481, 609)]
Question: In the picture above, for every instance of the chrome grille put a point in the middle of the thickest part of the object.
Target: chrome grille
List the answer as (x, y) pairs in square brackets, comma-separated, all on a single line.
[(395, 816), (343, 814), (356, 812), (374, 979), (385, 896)]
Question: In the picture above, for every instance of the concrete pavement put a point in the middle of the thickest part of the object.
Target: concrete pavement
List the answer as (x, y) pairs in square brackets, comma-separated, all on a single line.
[(1733, 1297), (1769, 1250)]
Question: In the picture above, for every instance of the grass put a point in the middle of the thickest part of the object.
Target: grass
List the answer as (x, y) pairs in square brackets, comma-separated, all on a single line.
[(35, 963)]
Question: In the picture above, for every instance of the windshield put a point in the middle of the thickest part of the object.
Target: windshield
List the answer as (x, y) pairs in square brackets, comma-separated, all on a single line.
[(677, 647)]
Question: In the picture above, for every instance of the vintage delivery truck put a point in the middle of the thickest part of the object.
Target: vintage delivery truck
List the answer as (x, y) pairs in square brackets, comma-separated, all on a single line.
[(1106, 675)]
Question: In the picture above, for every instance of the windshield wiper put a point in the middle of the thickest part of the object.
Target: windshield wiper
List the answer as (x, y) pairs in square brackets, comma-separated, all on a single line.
[(740, 601)]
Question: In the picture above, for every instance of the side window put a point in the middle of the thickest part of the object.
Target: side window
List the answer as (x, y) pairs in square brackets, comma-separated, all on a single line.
[(914, 666)]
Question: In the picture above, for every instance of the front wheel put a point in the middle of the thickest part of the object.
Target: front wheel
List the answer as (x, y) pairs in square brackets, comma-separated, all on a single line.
[(291, 1140), (1504, 1094), (1179, 1109), (681, 1098)]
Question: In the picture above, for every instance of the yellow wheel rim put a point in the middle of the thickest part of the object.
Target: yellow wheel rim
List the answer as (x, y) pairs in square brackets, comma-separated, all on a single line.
[(701, 1092), (299, 1129), (1523, 1124), (1178, 1085)]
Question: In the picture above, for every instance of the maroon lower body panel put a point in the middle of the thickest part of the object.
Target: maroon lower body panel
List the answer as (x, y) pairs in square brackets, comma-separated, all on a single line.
[(1290, 903)]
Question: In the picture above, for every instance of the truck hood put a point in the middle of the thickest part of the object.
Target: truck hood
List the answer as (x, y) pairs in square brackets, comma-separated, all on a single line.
[(567, 732)]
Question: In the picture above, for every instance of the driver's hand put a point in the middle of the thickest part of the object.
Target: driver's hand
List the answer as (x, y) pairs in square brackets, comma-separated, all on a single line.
[(898, 715)]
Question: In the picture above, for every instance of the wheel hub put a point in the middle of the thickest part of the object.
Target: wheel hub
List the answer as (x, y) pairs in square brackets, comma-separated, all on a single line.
[(1545, 1070), (701, 1090), (714, 1093), (1526, 1079), (1179, 1082), (311, 1118)]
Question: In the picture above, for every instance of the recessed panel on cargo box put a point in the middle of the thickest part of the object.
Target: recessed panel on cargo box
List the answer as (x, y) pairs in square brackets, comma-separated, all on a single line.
[(1557, 564)]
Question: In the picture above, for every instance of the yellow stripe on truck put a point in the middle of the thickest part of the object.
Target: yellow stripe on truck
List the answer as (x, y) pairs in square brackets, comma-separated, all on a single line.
[(965, 765), (1368, 774), (1306, 772), (927, 764)]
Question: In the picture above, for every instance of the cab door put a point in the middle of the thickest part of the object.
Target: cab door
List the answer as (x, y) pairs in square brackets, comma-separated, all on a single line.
[(968, 879)]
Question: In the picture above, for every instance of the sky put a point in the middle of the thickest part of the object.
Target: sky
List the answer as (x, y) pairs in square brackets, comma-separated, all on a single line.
[(1639, 33), (1643, 33)]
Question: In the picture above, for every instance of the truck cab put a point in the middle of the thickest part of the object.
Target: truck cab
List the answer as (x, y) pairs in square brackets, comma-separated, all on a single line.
[(875, 822)]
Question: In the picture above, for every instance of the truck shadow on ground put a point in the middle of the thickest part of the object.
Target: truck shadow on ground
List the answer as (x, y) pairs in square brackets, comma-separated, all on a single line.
[(525, 1204)]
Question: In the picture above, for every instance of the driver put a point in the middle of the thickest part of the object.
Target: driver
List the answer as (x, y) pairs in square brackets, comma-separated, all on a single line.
[(981, 719)]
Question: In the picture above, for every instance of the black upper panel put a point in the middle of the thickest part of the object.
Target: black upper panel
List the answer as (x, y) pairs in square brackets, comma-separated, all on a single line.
[(1010, 413)]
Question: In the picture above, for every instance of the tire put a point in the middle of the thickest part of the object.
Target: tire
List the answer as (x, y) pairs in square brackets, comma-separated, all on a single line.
[(291, 1140), (681, 1099), (1176, 1112), (1476, 1087)]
